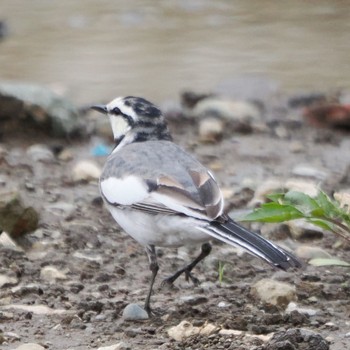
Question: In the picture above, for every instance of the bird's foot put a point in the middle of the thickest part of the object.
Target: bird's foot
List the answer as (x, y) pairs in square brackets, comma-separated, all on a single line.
[(169, 281), (194, 279)]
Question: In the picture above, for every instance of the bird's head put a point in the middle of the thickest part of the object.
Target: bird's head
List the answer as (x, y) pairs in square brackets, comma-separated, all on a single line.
[(136, 117)]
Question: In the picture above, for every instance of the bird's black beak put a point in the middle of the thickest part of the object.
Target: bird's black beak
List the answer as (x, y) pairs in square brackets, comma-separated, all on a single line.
[(100, 108)]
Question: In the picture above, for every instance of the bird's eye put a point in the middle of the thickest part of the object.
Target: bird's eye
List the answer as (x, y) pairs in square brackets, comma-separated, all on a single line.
[(116, 111)]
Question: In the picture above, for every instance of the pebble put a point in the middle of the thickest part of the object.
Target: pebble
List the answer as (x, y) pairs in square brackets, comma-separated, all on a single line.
[(300, 229), (296, 147), (40, 153), (210, 129), (274, 292), (12, 335), (308, 187), (185, 329), (269, 186), (35, 309), (119, 346), (343, 198), (88, 255), (193, 299), (51, 274), (304, 170), (7, 281), (292, 306), (85, 171), (7, 242), (30, 346), (65, 155), (134, 312), (310, 252), (63, 209), (240, 111)]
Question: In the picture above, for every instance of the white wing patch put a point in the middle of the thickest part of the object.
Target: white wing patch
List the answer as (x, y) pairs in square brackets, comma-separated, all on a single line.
[(125, 191)]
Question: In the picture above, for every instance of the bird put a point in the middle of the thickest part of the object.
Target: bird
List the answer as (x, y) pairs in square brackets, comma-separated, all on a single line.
[(162, 196)]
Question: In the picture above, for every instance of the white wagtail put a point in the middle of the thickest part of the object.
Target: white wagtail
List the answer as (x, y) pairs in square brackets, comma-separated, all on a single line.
[(162, 196)]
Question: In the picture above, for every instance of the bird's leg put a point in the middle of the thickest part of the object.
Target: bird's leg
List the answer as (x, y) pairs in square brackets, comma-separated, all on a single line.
[(153, 266), (205, 251)]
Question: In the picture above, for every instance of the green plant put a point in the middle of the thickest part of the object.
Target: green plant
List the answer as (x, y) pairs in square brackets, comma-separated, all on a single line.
[(221, 271), (321, 211)]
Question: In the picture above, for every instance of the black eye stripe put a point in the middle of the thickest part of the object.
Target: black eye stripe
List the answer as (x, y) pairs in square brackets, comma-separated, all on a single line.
[(116, 111)]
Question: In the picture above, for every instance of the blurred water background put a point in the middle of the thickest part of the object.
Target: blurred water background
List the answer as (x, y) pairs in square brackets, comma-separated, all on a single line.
[(97, 50)]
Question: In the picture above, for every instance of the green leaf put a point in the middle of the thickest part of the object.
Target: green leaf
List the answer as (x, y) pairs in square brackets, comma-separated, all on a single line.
[(304, 203), (276, 197), (330, 208), (328, 262), (274, 212), (324, 224)]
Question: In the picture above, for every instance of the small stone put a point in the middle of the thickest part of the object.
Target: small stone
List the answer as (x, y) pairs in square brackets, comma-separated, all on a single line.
[(65, 155), (62, 209), (119, 346), (310, 188), (308, 171), (182, 331), (240, 112), (210, 129), (343, 198), (12, 335), (292, 306), (281, 132), (194, 299), (85, 171), (300, 229), (296, 147), (40, 153), (274, 292), (267, 187), (4, 315), (230, 332), (223, 304), (7, 242), (6, 281), (134, 312), (88, 255), (185, 329), (30, 346), (51, 274), (309, 252), (35, 309)]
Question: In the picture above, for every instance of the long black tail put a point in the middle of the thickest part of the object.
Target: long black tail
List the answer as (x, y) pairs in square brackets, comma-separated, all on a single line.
[(235, 234)]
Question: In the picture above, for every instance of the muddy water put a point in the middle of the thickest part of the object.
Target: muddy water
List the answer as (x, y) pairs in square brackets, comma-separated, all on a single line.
[(99, 49)]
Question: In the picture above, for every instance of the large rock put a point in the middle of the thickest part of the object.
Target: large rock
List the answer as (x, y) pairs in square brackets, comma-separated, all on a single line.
[(298, 339), (15, 218), (274, 292), (30, 106)]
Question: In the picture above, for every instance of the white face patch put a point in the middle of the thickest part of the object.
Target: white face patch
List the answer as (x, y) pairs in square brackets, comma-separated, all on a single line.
[(119, 126), (125, 191)]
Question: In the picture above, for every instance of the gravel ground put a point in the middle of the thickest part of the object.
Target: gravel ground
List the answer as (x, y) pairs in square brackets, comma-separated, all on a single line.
[(67, 289)]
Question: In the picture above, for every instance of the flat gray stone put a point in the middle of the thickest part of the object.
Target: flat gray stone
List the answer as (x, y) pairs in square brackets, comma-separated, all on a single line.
[(134, 312)]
